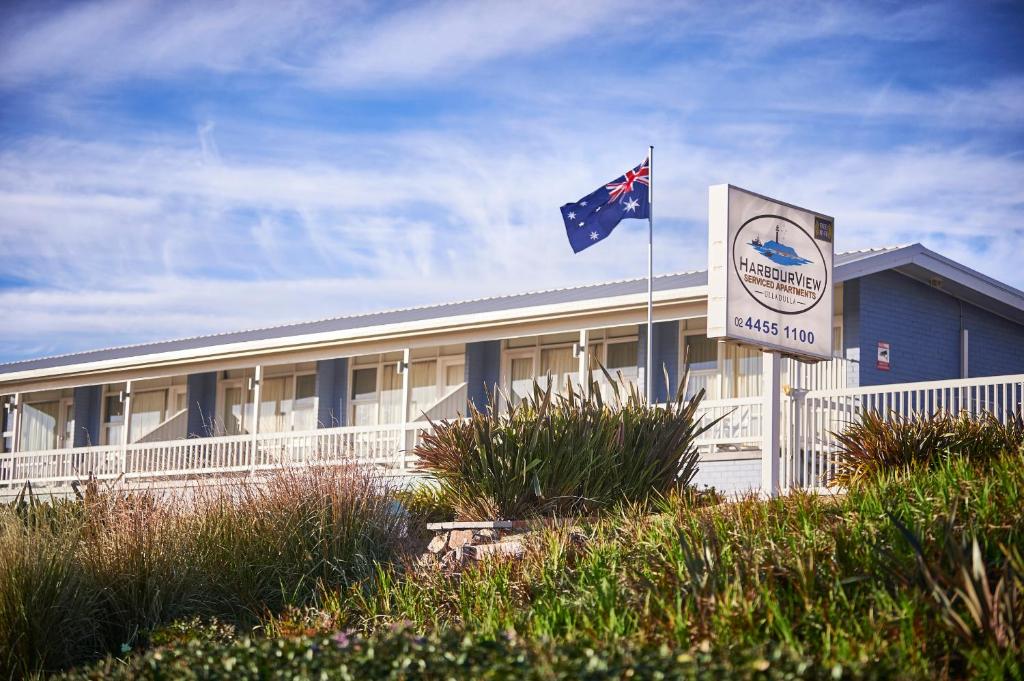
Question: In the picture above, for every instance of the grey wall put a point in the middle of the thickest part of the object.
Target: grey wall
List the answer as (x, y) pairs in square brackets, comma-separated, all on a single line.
[(332, 392), (483, 370), (88, 405), (201, 395), (922, 326)]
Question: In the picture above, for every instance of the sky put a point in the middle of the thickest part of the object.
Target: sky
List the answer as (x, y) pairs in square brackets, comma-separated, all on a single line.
[(183, 168)]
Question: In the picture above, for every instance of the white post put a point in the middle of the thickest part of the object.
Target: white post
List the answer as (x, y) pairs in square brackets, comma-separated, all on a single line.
[(257, 395), (770, 426), (127, 426), (404, 367), (648, 378), (16, 426), (584, 363)]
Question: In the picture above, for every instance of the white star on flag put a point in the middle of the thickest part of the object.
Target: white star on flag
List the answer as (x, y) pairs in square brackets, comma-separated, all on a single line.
[(572, 216), (583, 203), (593, 236), (581, 224), (632, 205)]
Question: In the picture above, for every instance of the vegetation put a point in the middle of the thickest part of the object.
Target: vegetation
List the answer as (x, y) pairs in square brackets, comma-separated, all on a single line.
[(913, 573), (83, 578), (563, 454), (876, 443)]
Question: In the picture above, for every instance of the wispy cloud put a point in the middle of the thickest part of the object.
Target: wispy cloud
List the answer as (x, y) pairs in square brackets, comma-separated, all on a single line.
[(295, 161)]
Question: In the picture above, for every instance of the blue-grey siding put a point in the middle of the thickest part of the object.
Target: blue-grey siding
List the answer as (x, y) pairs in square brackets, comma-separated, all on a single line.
[(201, 395), (483, 371), (88, 405), (922, 326), (665, 348), (332, 392)]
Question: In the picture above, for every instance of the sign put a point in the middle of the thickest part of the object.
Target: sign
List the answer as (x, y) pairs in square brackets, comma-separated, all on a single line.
[(769, 273), (883, 356)]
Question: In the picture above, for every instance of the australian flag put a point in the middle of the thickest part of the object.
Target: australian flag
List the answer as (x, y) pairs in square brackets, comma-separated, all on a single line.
[(593, 217)]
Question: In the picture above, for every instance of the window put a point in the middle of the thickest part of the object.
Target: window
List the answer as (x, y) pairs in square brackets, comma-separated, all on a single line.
[(422, 387), (39, 426), (702, 355), (304, 417), (232, 411), (364, 383), (113, 420)]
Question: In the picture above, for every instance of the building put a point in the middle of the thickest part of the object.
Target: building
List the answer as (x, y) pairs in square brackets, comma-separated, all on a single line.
[(362, 386)]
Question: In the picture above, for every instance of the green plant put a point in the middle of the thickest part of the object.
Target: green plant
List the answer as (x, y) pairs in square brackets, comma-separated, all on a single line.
[(78, 579), (876, 443), (553, 454)]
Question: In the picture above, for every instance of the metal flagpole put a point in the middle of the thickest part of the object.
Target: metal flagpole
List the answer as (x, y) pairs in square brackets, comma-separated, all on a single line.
[(650, 274)]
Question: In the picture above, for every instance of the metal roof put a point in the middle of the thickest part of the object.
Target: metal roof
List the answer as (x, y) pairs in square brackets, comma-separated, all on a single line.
[(853, 262)]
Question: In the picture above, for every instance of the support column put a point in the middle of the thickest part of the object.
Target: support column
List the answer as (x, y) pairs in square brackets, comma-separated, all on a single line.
[(257, 392), (16, 440), (332, 392), (126, 430), (403, 367), (483, 371), (583, 355), (771, 396)]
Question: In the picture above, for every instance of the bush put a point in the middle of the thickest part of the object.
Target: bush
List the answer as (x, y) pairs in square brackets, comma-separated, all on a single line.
[(81, 579), (453, 655), (876, 444), (562, 454)]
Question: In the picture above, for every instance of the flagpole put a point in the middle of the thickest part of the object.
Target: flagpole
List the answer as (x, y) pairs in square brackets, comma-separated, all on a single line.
[(650, 274)]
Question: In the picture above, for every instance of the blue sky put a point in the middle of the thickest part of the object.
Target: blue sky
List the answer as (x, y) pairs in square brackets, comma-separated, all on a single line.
[(174, 169)]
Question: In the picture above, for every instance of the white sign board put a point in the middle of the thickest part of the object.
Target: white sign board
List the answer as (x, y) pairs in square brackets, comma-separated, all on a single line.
[(769, 273)]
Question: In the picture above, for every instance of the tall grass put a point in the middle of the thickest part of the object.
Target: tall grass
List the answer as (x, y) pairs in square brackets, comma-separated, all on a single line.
[(876, 443), (835, 579), (81, 579), (556, 454)]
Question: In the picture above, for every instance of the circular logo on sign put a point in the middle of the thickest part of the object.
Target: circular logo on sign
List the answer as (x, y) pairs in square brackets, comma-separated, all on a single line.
[(779, 264)]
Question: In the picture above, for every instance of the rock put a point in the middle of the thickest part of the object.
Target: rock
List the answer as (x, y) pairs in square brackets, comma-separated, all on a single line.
[(438, 543), (504, 549), (487, 534), (427, 560), (459, 538)]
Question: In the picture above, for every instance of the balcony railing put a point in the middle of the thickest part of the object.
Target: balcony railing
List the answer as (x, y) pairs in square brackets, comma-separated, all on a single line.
[(386, 448)]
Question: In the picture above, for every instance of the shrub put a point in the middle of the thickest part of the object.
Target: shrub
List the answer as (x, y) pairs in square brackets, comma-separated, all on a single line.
[(876, 444), (559, 454), (404, 655)]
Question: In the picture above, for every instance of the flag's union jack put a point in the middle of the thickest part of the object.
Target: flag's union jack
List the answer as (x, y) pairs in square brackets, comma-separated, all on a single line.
[(640, 174)]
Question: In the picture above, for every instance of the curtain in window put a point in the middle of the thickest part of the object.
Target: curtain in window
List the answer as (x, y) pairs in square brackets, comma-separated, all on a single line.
[(39, 426), (231, 412), (391, 394), (522, 378), (423, 387), (147, 412), (748, 371), (275, 407), (304, 415), (561, 365), (702, 354)]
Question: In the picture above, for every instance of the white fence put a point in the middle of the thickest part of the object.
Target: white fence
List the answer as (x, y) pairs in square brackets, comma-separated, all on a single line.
[(808, 445), (811, 419)]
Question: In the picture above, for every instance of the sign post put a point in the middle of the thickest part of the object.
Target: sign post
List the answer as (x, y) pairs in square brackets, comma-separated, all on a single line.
[(770, 285)]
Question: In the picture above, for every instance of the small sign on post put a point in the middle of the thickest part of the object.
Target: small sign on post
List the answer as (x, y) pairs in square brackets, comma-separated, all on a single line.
[(882, 362)]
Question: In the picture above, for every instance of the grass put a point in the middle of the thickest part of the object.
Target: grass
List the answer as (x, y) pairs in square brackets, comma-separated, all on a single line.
[(914, 573), (909, 576), (81, 579)]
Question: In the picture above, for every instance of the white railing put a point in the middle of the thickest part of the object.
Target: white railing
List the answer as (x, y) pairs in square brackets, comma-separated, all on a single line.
[(739, 427), (811, 419), (387, 448), (833, 374)]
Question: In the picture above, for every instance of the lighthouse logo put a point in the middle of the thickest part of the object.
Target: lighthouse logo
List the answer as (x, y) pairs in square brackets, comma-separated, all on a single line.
[(779, 264)]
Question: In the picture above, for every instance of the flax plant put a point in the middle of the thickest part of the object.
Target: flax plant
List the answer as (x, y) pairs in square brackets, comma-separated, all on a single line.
[(563, 453)]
